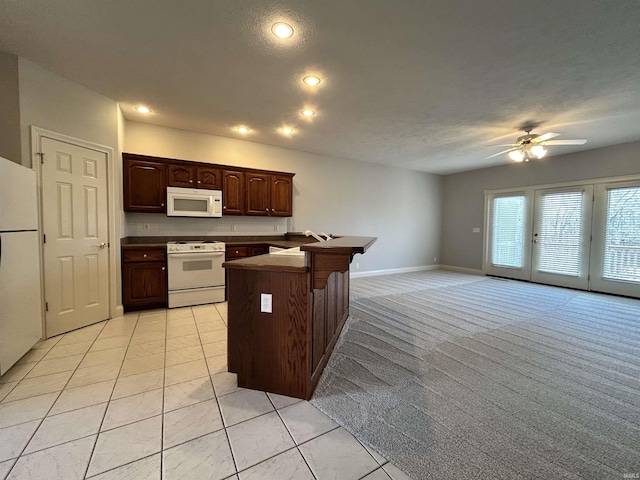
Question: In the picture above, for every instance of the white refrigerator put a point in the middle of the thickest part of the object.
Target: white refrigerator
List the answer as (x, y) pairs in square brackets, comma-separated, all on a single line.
[(20, 287)]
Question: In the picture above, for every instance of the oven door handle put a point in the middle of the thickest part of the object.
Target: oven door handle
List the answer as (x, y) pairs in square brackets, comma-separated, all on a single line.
[(177, 255)]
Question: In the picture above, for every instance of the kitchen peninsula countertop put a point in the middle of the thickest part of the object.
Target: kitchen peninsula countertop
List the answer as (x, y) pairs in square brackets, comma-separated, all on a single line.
[(297, 263)]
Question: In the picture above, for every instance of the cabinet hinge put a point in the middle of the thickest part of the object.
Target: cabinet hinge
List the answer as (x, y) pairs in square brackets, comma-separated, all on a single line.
[(41, 155)]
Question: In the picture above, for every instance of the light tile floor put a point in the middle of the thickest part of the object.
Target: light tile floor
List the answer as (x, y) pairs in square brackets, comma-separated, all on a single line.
[(148, 396)]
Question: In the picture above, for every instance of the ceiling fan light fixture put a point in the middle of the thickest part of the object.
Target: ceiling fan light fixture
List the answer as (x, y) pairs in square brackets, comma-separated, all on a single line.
[(143, 109), (539, 151), (516, 155)]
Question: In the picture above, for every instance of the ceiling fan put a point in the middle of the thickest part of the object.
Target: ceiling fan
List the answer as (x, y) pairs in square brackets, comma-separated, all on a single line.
[(532, 145)]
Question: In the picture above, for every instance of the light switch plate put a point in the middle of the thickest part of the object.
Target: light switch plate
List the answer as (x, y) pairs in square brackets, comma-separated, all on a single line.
[(265, 303)]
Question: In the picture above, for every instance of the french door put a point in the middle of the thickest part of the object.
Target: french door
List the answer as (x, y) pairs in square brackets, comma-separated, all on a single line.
[(580, 236), (561, 237)]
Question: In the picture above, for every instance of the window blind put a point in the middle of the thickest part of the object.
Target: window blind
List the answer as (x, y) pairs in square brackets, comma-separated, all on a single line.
[(559, 230), (622, 238), (508, 231)]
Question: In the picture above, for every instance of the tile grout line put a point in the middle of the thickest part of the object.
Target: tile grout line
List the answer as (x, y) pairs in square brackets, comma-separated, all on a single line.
[(164, 383), (86, 470), (215, 395), (296, 446)]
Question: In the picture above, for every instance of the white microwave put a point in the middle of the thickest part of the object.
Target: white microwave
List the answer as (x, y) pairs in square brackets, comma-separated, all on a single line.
[(193, 202)]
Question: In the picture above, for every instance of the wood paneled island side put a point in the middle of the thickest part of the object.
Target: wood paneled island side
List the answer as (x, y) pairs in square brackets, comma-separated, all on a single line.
[(285, 351)]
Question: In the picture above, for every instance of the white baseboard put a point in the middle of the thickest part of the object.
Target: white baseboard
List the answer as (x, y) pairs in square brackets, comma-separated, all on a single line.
[(391, 271), (118, 311), (453, 268)]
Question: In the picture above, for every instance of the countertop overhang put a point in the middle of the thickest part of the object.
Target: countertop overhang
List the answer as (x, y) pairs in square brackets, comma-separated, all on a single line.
[(341, 246)]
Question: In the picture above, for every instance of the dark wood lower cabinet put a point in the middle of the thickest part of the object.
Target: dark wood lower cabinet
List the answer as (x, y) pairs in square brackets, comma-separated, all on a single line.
[(144, 278)]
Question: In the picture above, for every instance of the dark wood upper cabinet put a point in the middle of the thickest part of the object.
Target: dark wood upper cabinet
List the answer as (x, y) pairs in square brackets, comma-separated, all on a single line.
[(210, 178), (244, 191), (258, 194), (232, 192), (181, 176), (269, 194), (281, 195), (144, 185)]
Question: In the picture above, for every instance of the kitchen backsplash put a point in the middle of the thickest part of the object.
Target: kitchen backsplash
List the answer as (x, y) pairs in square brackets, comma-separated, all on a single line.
[(149, 224)]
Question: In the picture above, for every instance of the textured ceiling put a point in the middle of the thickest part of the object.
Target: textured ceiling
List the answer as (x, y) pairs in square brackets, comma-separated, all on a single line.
[(418, 84)]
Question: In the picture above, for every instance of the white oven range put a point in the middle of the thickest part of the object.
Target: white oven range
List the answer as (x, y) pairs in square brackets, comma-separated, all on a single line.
[(195, 273)]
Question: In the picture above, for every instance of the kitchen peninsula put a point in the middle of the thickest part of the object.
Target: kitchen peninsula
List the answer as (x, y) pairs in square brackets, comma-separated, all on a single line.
[(286, 313)]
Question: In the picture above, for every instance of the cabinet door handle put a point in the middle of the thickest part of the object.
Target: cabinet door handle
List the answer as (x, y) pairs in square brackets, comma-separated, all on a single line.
[(224, 207), (267, 209), (273, 209), (199, 181), (164, 268), (190, 181), (144, 255), (162, 204)]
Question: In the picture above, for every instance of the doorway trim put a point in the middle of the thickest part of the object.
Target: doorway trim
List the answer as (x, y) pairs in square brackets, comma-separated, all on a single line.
[(37, 134)]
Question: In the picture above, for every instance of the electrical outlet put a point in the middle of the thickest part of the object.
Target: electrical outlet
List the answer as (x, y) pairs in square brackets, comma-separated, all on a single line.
[(476, 229), (435, 259), (146, 227), (276, 228), (233, 227), (265, 303), (357, 266)]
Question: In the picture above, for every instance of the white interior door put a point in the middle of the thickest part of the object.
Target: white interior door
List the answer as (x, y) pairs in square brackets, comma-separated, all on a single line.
[(75, 225), (615, 256), (561, 236)]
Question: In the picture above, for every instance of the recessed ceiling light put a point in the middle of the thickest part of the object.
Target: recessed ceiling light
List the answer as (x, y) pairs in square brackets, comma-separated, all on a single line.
[(142, 109), (287, 130), (282, 30), (311, 80), (308, 113), (243, 129)]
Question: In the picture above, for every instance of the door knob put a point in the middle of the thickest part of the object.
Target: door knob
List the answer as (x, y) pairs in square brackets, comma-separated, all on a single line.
[(103, 245)]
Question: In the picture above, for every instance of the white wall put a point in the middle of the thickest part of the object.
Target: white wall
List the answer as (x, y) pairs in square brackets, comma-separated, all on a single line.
[(400, 207), (463, 193)]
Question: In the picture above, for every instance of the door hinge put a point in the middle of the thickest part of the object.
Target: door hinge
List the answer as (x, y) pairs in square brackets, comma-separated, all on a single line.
[(46, 306), (41, 155), (44, 238)]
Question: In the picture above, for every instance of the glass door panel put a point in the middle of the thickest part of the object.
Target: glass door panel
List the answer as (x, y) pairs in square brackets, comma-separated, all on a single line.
[(616, 249), (561, 236), (508, 252)]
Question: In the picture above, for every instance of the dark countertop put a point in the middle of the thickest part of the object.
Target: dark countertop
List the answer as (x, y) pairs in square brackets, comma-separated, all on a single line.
[(274, 263), (288, 240)]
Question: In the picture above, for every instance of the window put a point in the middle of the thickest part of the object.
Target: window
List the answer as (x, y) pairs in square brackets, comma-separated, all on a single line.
[(622, 237)]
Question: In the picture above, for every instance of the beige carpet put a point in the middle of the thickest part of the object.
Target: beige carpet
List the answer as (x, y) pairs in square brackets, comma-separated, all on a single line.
[(455, 376)]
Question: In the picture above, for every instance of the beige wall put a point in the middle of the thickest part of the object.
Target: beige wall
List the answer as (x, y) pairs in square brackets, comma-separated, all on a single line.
[(463, 193), (400, 207), (54, 103), (9, 108)]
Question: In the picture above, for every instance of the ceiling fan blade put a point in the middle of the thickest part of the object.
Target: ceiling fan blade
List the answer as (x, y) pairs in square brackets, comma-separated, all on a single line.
[(546, 136), (504, 151), (578, 141), (504, 145)]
